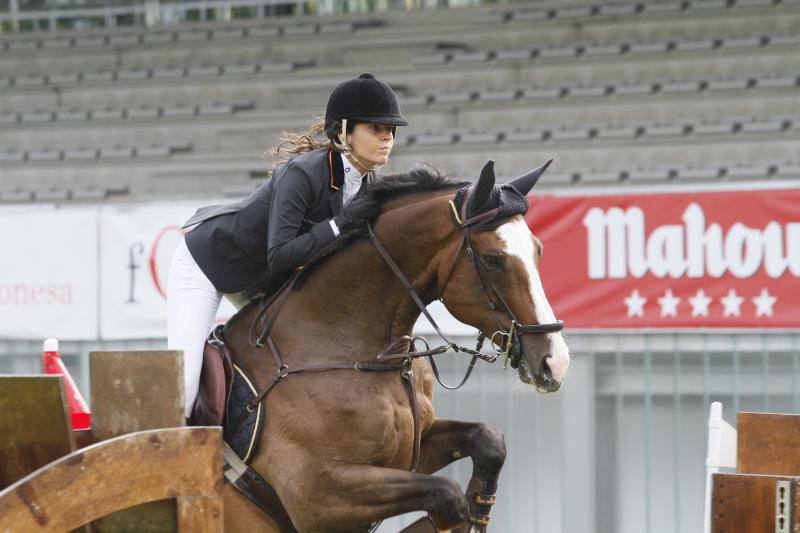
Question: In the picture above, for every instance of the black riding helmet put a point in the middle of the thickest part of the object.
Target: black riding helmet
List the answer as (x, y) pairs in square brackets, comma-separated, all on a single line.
[(364, 99)]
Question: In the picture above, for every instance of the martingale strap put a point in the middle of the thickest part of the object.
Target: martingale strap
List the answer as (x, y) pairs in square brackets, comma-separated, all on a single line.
[(405, 368), (463, 223)]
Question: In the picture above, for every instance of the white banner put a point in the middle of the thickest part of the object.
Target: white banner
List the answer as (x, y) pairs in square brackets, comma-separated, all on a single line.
[(48, 273), (137, 243), (91, 272)]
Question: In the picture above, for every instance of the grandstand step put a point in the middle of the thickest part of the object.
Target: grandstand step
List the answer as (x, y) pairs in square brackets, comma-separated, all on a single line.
[(649, 176), (66, 77), (620, 93)]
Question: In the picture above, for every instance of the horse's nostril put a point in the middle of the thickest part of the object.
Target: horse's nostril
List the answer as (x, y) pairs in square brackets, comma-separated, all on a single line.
[(544, 371)]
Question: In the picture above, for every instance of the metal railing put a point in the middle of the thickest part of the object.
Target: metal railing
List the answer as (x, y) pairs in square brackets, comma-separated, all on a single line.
[(620, 449), (152, 13)]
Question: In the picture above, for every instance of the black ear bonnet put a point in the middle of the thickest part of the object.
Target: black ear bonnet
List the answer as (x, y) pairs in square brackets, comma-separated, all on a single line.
[(509, 198), (506, 198)]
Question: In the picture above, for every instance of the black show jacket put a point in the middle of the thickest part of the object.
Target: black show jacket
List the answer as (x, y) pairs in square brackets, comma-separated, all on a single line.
[(278, 227)]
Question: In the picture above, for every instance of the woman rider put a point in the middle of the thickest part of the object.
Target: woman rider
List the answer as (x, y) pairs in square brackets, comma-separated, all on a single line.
[(232, 249)]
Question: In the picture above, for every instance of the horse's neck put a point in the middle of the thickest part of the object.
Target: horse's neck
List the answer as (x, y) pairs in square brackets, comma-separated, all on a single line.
[(355, 302)]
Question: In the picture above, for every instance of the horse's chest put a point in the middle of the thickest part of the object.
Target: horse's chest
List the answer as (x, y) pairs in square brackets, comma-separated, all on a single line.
[(398, 442), (368, 419), (384, 429)]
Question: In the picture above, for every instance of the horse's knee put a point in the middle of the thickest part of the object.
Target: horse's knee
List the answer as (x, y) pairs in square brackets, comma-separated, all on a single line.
[(449, 505), (491, 447)]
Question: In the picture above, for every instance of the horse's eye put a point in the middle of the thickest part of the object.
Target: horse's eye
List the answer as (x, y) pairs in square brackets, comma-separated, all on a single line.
[(493, 261)]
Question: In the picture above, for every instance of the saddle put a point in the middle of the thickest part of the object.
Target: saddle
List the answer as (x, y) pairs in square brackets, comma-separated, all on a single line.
[(216, 383), (222, 398), (225, 389)]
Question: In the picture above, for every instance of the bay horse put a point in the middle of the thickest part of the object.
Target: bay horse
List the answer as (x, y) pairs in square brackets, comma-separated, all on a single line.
[(343, 448)]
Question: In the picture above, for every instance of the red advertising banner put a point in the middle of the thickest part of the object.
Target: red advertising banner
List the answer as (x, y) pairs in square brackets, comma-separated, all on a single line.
[(677, 260)]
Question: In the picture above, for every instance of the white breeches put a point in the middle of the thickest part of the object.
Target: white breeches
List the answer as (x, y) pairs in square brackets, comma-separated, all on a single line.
[(192, 304)]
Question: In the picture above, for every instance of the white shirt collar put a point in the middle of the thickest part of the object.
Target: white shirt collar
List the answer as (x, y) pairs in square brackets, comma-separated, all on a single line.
[(350, 171), (352, 181)]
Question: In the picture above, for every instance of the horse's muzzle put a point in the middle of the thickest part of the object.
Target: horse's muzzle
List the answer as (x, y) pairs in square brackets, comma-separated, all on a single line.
[(535, 363)]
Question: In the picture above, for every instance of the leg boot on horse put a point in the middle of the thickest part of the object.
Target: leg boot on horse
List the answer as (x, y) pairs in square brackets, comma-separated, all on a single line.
[(448, 441)]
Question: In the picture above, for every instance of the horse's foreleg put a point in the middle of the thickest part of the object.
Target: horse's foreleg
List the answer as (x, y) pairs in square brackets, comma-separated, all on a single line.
[(350, 497), (448, 441)]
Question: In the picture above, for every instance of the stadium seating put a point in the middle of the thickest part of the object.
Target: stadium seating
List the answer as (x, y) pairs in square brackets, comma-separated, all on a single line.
[(630, 93), (97, 114)]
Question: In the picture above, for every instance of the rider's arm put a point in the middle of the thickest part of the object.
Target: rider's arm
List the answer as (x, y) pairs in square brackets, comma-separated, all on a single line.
[(291, 197)]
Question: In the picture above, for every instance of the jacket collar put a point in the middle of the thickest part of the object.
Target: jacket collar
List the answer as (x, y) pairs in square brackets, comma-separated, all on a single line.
[(335, 171)]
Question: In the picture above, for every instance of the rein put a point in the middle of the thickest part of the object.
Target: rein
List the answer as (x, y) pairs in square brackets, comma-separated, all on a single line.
[(388, 360)]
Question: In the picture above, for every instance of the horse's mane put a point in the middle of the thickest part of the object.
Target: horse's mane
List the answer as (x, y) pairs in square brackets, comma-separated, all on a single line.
[(418, 180), (421, 179)]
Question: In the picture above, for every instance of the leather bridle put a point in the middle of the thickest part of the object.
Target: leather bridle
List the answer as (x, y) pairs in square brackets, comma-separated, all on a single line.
[(388, 360), (510, 339)]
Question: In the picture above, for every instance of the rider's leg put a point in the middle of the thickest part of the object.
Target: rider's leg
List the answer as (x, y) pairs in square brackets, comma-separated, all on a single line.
[(192, 303), (237, 299)]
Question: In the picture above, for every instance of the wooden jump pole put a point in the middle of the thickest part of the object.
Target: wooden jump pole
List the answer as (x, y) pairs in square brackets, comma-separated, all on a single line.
[(181, 463)]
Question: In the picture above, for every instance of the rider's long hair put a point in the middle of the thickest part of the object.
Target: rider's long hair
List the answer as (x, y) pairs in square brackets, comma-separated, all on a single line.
[(292, 143)]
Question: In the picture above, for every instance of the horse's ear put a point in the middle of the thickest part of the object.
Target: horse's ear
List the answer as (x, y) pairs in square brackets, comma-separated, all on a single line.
[(479, 193), (525, 183)]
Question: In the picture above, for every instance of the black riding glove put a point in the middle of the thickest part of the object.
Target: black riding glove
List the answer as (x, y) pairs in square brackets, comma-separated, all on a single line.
[(357, 213)]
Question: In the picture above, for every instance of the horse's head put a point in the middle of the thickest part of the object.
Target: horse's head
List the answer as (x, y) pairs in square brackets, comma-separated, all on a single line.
[(497, 287)]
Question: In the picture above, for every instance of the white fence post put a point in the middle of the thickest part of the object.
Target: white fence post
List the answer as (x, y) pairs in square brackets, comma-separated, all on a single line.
[(721, 454)]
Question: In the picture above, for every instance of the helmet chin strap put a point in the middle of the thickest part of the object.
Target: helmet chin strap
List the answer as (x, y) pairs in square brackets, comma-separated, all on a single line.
[(344, 147)]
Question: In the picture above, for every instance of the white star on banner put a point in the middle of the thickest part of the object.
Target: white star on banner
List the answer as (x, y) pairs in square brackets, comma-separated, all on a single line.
[(732, 303), (669, 304), (700, 303), (764, 302), (635, 304)]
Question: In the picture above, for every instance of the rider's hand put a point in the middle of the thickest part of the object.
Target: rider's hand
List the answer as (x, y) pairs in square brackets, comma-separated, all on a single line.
[(357, 213)]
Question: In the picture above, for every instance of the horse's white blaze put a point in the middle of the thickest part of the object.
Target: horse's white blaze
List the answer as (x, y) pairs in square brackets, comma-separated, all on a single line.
[(518, 242)]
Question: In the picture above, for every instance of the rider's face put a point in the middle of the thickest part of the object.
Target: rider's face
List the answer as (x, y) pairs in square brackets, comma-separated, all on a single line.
[(371, 143)]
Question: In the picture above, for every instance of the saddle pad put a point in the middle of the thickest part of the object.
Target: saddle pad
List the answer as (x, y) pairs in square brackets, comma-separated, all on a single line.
[(243, 428)]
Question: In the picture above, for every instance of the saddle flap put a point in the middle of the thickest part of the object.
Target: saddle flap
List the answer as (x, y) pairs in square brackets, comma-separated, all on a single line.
[(216, 382)]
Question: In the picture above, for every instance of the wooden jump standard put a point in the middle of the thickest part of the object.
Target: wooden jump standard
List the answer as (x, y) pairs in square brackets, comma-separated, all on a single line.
[(763, 495), (114, 467), (120, 473)]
